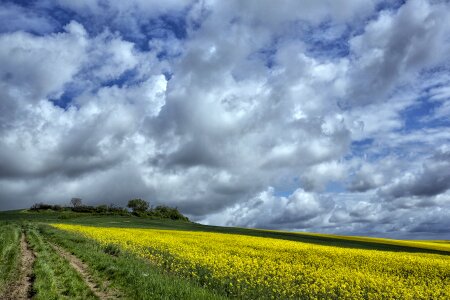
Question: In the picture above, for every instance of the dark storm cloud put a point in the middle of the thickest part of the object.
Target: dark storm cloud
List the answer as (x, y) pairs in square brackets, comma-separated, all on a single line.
[(195, 153), (439, 225), (361, 185), (431, 180)]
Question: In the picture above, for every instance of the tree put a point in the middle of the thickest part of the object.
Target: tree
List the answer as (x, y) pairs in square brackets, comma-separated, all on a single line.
[(138, 205), (101, 209), (76, 202)]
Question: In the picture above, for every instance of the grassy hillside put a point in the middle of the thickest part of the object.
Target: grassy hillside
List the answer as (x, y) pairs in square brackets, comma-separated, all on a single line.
[(133, 257), (437, 247)]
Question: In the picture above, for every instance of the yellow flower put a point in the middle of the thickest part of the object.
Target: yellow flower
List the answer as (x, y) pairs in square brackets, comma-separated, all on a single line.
[(257, 267)]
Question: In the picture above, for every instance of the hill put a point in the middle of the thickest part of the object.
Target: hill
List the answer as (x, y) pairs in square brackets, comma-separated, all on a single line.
[(103, 255), (129, 221)]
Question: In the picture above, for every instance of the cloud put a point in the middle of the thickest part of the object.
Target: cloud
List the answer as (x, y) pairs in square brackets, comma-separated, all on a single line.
[(326, 116), (16, 18), (35, 67), (365, 181), (317, 176), (431, 180), (135, 19), (394, 47), (266, 210)]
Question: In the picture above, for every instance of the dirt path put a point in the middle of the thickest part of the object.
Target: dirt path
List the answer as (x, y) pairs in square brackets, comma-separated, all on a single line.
[(22, 288), (82, 269)]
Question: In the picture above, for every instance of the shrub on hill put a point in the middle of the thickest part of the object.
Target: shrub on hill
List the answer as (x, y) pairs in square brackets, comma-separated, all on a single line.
[(101, 209), (84, 209), (167, 212), (140, 208), (115, 210), (43, 206)]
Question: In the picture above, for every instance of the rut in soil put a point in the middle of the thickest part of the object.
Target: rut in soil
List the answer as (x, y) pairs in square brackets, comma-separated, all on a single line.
[(22, 288), (83, 270)]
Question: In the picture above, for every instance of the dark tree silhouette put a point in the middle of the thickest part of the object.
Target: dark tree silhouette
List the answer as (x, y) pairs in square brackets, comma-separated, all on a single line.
[(76, 202), (138, 205)]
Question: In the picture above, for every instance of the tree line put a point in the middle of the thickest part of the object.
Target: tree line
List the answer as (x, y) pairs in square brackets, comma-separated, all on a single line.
[(138, 207)]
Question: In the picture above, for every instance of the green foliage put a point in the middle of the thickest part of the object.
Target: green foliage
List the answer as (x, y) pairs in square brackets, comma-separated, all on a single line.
[(57, 208), (140, 209), (101, 209), (118, 211), (112, 249), (167, 212), (138, 205), (42, 206), (9, 254), (65, 217), (84, 209)]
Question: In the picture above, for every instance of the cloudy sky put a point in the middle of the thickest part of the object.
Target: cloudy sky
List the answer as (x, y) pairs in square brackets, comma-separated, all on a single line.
[(327, 116)]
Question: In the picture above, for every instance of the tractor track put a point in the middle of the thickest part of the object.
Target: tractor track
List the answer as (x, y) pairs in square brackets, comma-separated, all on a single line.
[(83, 270), (22, 288)]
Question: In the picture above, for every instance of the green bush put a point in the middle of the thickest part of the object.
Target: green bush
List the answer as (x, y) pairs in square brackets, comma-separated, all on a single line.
[(101, 209), (112, 249), (84, 209), (167, 212), (140, 208)]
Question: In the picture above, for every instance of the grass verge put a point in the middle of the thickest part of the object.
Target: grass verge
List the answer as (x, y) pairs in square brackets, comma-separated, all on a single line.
[(9, 251)]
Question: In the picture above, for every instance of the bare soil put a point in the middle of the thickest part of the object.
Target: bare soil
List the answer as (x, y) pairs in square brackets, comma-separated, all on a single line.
[(23, 287), (82, 269)]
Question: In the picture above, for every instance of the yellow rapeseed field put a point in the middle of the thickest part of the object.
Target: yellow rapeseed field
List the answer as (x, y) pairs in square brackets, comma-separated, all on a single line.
[(257, 267)]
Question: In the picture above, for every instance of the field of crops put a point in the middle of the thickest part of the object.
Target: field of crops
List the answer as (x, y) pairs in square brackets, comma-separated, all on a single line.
[(256, 267)]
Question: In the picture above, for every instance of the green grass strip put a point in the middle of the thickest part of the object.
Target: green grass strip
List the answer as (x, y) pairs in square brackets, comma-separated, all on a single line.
[(54, 277), (9, 254)]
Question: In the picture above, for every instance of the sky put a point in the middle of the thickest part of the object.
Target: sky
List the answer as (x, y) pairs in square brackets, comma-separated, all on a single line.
[(326, 116)]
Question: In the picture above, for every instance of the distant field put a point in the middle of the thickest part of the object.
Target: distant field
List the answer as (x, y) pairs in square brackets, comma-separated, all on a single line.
[(437, 242), (431, 245), (79, 256)]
